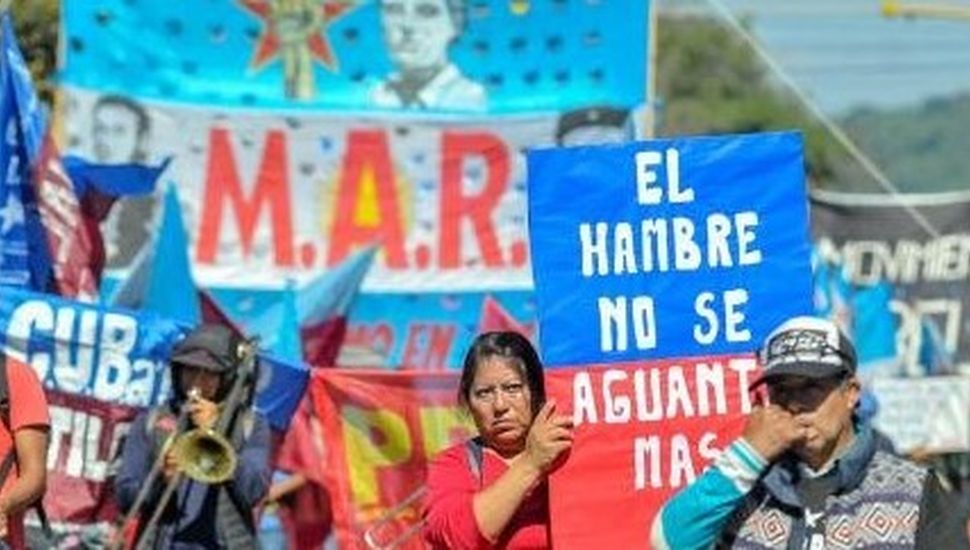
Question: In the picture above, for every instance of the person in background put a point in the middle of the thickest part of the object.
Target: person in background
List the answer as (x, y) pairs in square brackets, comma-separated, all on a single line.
[(806, 473), (24, 435), (491, 490), (204, 367)]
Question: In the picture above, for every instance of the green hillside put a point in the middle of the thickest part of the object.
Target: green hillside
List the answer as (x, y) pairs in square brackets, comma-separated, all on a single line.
[(922, 148)]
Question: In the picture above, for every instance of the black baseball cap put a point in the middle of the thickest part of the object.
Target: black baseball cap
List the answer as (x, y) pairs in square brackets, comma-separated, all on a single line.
[(211, 347), (806, 346)]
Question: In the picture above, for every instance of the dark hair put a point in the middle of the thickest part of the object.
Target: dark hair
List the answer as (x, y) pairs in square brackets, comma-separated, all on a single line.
[(459, 14), (210, 347), (111, 100), (507, 345)]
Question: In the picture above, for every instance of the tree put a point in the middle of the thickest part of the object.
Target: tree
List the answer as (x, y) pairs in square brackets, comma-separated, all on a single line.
[(35, 22), (710, 82)]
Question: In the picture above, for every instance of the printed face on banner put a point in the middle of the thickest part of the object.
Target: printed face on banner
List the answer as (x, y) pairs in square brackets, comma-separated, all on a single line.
[(119, 131), (667, 248), (418, 32), (443, 56), (269, 196)]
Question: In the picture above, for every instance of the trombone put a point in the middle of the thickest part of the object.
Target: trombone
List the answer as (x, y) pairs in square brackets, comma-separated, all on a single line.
[(202, 454), (371, 538)]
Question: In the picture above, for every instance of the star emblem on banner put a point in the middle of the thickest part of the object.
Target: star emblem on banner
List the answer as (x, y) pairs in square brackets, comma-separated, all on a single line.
[(11, 215), (296, 24)]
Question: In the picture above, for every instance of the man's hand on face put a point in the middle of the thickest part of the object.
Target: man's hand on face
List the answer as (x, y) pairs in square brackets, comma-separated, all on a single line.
[(772, 430)]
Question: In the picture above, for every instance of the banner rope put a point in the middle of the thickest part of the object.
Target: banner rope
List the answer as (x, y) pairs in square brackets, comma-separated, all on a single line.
[(830, 125)]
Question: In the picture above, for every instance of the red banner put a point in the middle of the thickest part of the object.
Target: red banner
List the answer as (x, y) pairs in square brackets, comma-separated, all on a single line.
[(381, 427), (643, 430), (86, 435)]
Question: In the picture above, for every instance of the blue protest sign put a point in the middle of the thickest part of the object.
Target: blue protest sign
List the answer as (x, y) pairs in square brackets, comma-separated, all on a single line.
[(667, 248)]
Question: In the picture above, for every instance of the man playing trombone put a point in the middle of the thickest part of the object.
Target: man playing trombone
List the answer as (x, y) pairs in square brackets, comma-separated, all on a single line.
[(193, 469)]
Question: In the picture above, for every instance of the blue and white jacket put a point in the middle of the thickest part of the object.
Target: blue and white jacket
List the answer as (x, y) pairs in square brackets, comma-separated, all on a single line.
[(878, 501)]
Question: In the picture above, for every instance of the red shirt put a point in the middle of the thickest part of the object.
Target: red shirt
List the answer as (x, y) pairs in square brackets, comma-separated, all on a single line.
[(448, 505), (28, 407)]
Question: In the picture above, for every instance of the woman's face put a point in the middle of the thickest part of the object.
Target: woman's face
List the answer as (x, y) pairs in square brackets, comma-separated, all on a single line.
[(501, 404)]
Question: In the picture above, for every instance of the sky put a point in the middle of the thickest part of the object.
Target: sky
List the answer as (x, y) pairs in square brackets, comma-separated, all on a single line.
[(845, 54)]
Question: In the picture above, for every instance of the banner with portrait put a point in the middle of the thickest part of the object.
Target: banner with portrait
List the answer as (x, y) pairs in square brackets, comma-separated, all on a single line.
[(918, 248), (302, 129), (267, 196), (437, 56)]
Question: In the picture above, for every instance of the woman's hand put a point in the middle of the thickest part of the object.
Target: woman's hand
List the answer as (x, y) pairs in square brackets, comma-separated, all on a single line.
[(551, 434)]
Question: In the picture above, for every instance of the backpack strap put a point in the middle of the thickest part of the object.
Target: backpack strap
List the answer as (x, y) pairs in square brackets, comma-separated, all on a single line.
[(11, 458), (4, 393), (475, 451)]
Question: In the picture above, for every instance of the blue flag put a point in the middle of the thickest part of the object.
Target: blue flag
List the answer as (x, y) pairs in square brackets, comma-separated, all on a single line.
[(114, 180), (161, 278), (24, 257)]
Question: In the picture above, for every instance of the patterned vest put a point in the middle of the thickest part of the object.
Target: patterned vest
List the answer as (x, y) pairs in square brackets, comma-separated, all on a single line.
[(881, 512)]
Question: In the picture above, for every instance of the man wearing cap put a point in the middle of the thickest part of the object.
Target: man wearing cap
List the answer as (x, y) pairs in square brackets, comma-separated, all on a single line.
[(204, 368), (806, 473)]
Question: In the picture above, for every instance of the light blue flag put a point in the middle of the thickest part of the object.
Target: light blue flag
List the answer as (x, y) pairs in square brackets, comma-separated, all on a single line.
[(288, 342), (325, 298), (170, 290), (332, 293)]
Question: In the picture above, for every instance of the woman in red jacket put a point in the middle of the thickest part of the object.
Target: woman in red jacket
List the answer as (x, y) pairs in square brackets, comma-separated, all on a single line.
[(491, 492)]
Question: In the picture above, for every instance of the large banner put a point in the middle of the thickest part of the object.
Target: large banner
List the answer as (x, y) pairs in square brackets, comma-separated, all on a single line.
[(918, 245), (381, 428), (668, 248), (302, 130), (659, 267), (111, 355), (265, 196), (443, 56)]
